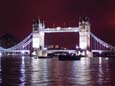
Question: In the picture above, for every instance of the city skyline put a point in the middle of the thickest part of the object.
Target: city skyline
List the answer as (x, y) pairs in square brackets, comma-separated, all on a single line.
[(16, 16)]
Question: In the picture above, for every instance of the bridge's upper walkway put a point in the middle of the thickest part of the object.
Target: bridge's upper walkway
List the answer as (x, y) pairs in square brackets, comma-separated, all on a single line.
[(59, 30)]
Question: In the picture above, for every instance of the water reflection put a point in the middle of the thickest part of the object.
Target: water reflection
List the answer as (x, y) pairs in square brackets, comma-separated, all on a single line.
[(82, 71), (28, 71), (10, 71), (22, 71), (103, 72)]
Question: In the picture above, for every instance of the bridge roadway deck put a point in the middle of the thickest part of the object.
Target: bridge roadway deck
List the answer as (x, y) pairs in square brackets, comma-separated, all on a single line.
[(51, 51), (48, 51), (16, 51)]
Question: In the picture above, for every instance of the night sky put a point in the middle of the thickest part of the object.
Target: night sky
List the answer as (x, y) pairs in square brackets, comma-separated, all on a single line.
[(16, 16)]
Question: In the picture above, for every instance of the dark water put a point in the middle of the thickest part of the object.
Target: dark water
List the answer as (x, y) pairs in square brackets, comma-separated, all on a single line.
[(28, 71)]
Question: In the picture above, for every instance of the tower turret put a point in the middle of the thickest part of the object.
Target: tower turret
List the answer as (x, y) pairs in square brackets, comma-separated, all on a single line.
[(38, 24), (34, 25), (84, 24), (41, 24)]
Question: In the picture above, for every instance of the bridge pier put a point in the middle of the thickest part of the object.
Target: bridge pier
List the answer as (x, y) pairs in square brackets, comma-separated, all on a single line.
[(41, 53), (89, 53), (84, 53)]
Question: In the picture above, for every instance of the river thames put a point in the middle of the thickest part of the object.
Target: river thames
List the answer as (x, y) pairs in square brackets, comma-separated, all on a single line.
[(31, 71)]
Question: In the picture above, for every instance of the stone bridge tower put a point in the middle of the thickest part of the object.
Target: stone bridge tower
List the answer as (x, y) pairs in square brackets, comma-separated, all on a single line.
[(38, 36), (84, 33)]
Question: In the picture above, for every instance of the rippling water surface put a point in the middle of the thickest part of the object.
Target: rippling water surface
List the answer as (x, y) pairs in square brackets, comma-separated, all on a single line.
[(29, 71)]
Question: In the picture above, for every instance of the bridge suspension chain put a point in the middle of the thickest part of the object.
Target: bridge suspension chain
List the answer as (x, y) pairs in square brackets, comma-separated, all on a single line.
[(19, 45), (104, 44)]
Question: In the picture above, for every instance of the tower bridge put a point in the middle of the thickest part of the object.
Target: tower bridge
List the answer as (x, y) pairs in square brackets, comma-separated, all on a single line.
[(34, 42), (83, 29)]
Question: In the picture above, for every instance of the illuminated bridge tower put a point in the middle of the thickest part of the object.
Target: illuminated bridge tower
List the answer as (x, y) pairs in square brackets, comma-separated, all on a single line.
[(38, 36), (84, 33)]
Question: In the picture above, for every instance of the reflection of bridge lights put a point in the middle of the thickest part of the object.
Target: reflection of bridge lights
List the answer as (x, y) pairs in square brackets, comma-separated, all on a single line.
[(0, 53), (100, 72), (85, 61), (23, 60), (100, 60), (22, 71), (22, 84)]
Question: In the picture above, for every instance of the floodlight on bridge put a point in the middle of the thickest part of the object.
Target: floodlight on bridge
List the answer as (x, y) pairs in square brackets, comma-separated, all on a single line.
[(23, 51), (58, 28)]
